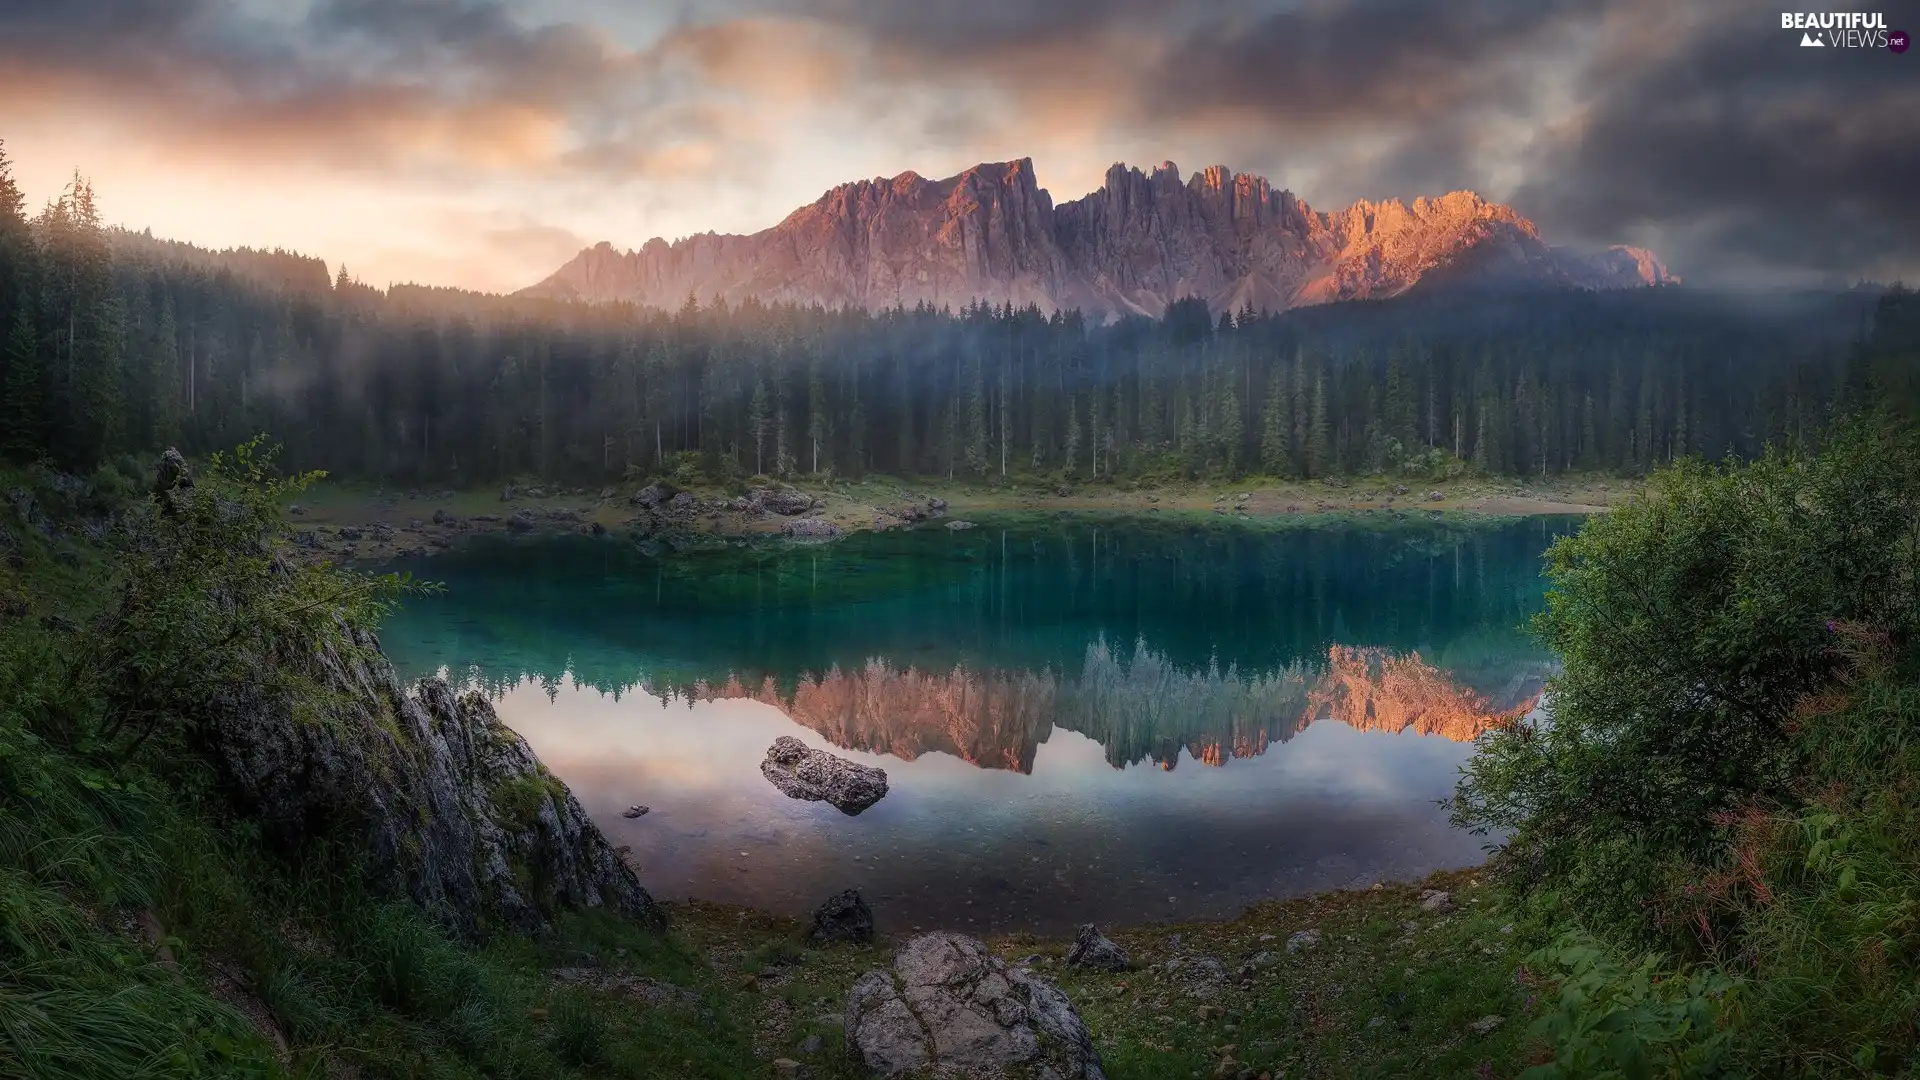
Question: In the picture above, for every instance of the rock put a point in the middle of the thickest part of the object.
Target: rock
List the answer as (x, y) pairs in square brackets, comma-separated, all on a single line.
[(682, 503), (1399, 489), (1303, 940), (562, 513), (844, 917), (416, 523), (350, 533), (521, 522), (1434, 496), (936, 505), (652, 496), (536, 493), (805, 773), (810, 529), (959, 526), (1436, 900), (597, 529), (306, 538), (296, 510), (171, 479), (508, 493), (606, 493), (949, 1008), (812, 1044), (1095, 952), (785, 503), (788, 1069), (635, 811), (1486, 1024), (449, 806)]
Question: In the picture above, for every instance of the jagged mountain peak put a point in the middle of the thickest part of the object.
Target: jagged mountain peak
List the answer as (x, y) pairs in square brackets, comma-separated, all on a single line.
[(1138, 242)]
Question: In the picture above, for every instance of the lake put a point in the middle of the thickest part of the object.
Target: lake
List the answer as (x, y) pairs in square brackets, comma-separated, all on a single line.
[(1082, 718)]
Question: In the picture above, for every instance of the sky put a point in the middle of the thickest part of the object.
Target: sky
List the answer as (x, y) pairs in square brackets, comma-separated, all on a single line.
[(481, 143)]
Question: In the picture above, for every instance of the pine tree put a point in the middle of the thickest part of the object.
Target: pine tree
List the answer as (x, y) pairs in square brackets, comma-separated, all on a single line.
[(759, 423), (1273, 428), (1319, 440), (23, 421)]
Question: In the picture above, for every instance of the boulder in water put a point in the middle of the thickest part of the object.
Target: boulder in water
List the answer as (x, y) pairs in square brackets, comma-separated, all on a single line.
[(949, 1008), (805, 773)]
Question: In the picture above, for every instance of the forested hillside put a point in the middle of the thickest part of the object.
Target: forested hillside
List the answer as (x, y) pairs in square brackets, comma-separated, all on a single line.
[(116, 342)]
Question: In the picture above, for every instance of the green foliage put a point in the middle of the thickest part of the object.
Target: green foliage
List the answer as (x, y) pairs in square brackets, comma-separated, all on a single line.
[(1615, 1021), (104, 842), (1691, 624), (205, 598)]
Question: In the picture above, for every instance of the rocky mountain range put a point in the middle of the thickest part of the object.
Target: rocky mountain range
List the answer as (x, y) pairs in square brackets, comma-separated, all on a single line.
[(1142, 240)]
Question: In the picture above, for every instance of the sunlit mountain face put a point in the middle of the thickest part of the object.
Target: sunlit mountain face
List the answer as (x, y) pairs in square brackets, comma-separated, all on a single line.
[(1079, 717), (1138, 707)]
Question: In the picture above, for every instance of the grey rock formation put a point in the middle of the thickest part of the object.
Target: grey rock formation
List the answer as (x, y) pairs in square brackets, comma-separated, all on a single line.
[(787, 503), (844, 917), (522, 521), (453, 809), (1094, 951), (1303, 940), (960, 526), (802, 772), (810, 529), (651, 496), (1139, 242), (949, 1008)]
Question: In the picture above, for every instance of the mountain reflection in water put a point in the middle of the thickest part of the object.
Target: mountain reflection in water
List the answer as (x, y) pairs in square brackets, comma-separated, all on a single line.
[(1044, 695), (1146, 709)]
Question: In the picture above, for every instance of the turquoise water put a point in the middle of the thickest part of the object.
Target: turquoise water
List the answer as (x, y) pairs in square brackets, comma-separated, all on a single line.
[(1081, 717)]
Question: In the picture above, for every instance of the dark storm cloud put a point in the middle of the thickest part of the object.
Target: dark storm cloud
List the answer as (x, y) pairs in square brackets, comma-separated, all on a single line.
[(1748, 155), (361, 83), (1699, 128)]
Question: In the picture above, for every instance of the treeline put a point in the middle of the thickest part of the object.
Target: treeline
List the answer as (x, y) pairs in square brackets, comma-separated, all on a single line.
[(116, 343)]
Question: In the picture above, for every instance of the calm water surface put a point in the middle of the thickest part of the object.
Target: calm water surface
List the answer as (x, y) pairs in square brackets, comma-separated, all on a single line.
[(1081, 719)]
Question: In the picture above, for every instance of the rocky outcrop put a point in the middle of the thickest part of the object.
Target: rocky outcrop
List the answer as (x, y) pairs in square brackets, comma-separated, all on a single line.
[(802, 772), (844, 917), (449, 807), (1140, 241), (1094, 951), (949, 1008)]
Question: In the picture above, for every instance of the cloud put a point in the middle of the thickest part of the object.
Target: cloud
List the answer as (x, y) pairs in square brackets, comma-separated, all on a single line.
[(1710, 129), (1697, 128)]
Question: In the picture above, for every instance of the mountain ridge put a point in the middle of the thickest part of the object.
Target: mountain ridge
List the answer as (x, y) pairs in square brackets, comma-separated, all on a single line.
[(1138, 242)]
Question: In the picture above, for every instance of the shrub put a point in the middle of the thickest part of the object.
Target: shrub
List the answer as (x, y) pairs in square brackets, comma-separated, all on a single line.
[(1692, 623)]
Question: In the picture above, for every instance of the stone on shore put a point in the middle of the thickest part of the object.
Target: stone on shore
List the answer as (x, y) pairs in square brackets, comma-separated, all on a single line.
[(949, 1008), (844, 917), (1096, 952)]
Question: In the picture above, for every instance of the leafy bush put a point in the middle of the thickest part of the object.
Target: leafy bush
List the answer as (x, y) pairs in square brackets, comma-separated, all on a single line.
[(1615, 1020), (1692, 624)]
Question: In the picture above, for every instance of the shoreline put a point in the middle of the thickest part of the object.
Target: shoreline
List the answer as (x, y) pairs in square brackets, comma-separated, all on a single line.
[(354, 522)]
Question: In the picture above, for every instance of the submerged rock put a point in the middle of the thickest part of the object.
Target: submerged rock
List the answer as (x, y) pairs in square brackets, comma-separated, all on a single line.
[(805, 773), (958, 526), (452, 809), (949, 1008), (521, 522), (1094, 951), (844, 917)]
